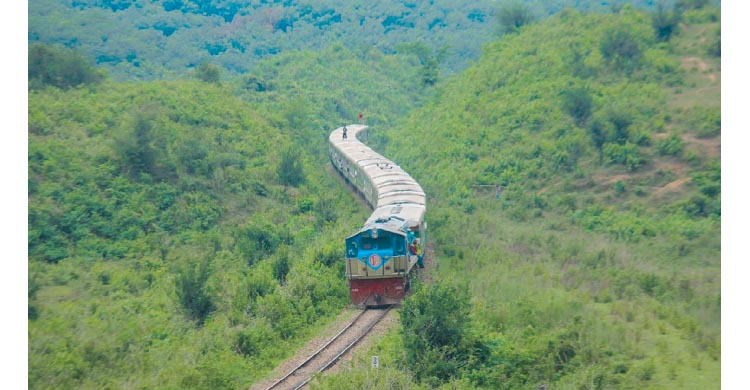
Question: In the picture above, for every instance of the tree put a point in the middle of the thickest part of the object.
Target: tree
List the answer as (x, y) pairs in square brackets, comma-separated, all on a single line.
[(142, 147), (430, 72), (59, 67), (290, 170), (281, 265), (578, 103), (514, 15), (192, 290), (665, 22), (143, 157), (209, 73), (598, 131), (621, 49), (429, 59), (714, 49), (621, 119)]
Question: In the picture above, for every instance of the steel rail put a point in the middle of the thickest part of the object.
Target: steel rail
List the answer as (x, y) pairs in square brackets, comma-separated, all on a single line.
[(348, 347), (316, 353)]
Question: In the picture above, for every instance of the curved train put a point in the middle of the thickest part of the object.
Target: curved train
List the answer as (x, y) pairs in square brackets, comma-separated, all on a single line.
[(381, 256)]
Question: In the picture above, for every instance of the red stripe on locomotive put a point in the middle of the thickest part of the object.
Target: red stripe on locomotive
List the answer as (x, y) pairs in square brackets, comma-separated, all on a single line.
[(372, 292)]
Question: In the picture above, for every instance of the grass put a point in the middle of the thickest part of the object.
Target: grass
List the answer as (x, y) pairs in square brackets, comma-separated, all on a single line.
[(615, 270), (661, 316), (702, 73)]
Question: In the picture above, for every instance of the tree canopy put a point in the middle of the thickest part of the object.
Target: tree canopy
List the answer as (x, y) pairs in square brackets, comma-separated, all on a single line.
[(59, 67), (184, 233)]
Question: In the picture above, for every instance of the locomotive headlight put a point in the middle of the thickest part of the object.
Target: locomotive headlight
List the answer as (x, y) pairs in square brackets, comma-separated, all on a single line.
[(374, 233)]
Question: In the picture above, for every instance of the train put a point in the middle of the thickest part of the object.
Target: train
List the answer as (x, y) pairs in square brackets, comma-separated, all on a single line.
[(382, 257)]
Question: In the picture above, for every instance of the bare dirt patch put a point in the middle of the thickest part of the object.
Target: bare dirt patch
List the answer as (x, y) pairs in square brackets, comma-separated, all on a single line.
[(678, 168), (689, 63), (672, 186), (611, 179), (694, 62), (709, 147)]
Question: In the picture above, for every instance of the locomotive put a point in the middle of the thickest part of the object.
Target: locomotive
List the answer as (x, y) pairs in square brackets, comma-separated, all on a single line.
[(381, 256)]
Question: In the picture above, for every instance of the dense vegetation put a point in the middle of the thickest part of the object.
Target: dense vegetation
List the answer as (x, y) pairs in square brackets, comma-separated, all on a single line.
[(599, 265), (155, 39), (184, 233), (151, 39), (157, 219), (170, 245)]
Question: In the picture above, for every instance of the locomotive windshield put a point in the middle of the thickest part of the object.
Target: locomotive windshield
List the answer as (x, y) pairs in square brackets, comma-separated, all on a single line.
[(368, 243)]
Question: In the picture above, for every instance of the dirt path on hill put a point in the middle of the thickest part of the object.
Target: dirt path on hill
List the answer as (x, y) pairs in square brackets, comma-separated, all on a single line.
[(700, 64)]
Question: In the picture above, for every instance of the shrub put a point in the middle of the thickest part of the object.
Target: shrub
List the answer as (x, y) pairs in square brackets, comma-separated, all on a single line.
[(290, 170), (709, 181), (598, 131), (281, 313), (706, 121), (626, 154), (281, 265), (253, 340), (435, 329), (142, 147), (671, 146), (703, 15), (192, 290), (619, 187), (621, 119), (257, 239), (700, 206)]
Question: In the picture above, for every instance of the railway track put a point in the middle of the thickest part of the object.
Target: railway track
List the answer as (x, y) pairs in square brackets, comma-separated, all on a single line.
[(327, 355)]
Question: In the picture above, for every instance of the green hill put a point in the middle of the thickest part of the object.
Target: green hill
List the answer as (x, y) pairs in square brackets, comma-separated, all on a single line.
[(157, 40), (599, 264), (143, 39), (184, 234)]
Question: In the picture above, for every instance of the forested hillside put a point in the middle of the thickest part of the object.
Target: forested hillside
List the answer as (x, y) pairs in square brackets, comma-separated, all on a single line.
[(154, 39), (184, 234), (598, 264), (150, 39)]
